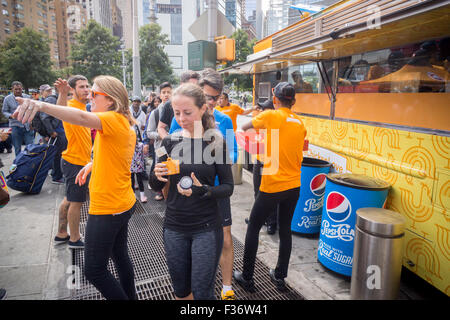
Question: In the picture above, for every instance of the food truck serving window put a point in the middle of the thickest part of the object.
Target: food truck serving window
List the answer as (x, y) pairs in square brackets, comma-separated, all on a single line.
[(419, 67), (306, 78)]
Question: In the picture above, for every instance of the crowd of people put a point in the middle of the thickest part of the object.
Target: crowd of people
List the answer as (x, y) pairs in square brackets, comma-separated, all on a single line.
[(189, 133)]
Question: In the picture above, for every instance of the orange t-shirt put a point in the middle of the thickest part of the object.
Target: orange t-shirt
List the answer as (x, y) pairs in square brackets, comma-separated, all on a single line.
[(79, 142), (285, 135), (110, 186), (232, 111)]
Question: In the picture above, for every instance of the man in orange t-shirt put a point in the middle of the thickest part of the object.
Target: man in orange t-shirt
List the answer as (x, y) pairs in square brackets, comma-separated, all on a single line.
[(74, 158), (230, 109)]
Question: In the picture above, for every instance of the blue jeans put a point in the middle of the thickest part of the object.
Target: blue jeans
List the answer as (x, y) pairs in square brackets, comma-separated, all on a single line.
[(20, 136), (106, 237), (192, 260)]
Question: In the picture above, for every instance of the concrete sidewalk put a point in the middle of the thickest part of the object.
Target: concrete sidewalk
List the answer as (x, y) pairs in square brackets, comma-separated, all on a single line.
[(32, 268), (27, 226)]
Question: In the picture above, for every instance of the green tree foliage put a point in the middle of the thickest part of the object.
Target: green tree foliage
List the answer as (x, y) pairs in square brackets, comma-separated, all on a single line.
[(244, 47), (155, 64), (25, 56), (96, 52)]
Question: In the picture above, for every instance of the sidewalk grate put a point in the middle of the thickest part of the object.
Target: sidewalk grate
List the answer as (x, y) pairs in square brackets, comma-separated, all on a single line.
[(146, 248)]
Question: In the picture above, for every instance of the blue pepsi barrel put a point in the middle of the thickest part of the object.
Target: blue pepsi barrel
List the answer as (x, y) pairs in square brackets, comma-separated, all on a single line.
[(308, 212), (344, 194)]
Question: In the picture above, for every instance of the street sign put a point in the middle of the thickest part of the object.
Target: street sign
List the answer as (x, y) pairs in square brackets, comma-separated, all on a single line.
[(199, 28)]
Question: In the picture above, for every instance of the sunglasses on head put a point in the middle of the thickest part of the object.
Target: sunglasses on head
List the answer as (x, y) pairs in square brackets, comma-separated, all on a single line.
[(209, 97), (95, 93)]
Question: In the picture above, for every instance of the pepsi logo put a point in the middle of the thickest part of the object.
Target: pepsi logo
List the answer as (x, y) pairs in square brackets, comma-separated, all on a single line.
[(317, 184), (338, 207)]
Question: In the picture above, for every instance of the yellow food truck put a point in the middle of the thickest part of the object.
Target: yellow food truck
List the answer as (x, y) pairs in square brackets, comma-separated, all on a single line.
[(372, 82)]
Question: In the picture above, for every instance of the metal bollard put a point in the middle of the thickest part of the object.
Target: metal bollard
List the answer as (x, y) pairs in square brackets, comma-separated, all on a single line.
[(377, 255)]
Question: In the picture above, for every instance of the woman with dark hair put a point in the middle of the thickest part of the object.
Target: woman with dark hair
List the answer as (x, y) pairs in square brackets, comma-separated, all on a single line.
[(193, 235), (280, 183)]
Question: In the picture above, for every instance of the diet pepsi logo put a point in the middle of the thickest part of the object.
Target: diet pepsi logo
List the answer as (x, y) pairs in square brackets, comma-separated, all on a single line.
[(317, 184), (338, 207)]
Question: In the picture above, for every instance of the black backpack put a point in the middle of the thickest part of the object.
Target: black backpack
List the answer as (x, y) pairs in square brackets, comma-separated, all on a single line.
[(38, 125)]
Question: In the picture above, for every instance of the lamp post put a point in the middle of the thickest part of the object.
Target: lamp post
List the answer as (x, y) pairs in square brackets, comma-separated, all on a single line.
[(212, 20), (124, 66), (136, 58)]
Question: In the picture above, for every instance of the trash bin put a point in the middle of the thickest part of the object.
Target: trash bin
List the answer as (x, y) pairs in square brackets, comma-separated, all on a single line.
[(308, 212), (236, 168), (344, 194), (377, 256)]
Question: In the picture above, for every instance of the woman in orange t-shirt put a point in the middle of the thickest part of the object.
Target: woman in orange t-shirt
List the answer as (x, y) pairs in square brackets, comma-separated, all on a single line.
[(280, 183), (112, 200)]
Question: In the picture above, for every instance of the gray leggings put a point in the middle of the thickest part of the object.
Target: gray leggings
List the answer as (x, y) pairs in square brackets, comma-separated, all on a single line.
[(192, 260)]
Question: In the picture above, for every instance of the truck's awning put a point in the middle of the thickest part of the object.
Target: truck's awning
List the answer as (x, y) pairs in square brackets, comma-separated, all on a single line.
[(308, 42), (261, 62)]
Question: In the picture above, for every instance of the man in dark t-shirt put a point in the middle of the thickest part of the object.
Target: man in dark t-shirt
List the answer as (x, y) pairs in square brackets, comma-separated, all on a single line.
[(165, 119)]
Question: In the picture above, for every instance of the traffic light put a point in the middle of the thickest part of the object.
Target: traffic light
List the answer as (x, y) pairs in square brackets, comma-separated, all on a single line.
[(225, 49)]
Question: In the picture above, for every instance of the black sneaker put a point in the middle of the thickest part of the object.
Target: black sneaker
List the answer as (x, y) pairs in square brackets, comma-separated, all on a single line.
[(59, 240), (248, 285), (278, 282), (76, 245), (3, 294), (271, 229)]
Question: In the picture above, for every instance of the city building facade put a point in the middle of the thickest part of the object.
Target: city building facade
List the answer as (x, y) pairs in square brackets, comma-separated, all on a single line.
[(59, 20)]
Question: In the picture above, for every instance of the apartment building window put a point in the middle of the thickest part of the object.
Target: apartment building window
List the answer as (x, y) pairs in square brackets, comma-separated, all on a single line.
[(176, 32), (7, 30), (43, 7), (176, 62), (5, 12), (19, 24), (6, 21), (20, 16), (4, 3), (19, 7)]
